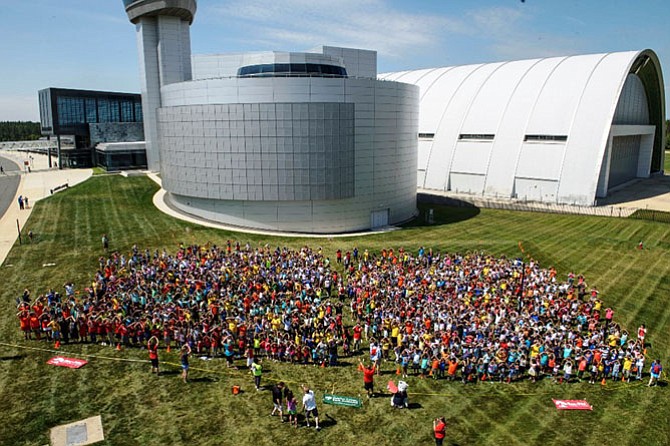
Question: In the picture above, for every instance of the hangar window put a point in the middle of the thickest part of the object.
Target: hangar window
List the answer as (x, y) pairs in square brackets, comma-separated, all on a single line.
[(476, 137), (546, 138), (426, 135)]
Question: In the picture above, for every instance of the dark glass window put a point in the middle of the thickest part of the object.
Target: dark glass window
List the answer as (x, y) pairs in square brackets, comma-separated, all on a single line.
[(476, 136), (126, 111), (427, 135), (91, 110), (313, 68), (70, 111), (115, 112), (138, 111), (297, 69), (103, 110), (558, 138), (282, 68)]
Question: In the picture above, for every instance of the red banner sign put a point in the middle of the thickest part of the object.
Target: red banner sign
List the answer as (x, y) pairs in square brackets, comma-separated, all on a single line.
[(572, 405), (71, 363)]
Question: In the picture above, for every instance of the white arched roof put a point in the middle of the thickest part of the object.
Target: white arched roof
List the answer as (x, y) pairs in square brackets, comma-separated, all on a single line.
[(494, 129)]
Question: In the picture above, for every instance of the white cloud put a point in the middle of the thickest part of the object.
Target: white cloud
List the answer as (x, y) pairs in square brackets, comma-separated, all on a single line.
[(372, 24), (506, 32), (19, 108)]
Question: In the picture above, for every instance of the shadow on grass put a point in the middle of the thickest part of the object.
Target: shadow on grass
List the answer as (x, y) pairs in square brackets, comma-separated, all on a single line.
[(342, 364), (11, 358), (204, 379), (445, 211), (169, 372), (328, 421)]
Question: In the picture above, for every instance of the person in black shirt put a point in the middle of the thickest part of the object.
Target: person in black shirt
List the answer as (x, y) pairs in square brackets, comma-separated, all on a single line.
[(277, 400)]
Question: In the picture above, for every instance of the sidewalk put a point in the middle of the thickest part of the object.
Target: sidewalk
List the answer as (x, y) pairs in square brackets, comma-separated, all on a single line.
[(36, 186)]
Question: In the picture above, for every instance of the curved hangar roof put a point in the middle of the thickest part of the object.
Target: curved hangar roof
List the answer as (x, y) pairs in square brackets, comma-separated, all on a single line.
[(562, 129)]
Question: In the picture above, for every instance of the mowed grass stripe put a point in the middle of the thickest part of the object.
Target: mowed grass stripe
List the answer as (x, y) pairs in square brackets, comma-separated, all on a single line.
[(654, 278), (131, 195), (584, 229), (614, 272), (521, 411), (112, 212)]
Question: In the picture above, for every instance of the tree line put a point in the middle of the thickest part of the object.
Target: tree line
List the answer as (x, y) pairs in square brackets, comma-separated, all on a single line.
[(19, 130)]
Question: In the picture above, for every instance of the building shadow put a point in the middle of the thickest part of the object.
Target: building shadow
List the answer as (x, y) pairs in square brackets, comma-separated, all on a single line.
[(435, 210)]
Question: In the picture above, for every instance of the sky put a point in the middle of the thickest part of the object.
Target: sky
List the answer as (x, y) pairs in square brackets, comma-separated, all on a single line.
[(90, 44)]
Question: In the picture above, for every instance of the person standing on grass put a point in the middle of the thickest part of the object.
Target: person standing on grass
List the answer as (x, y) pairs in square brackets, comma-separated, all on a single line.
[(655, 372), (368, 377), (309, 406), (439, 430), (292, 408), (277, 400), (257, 371), (185, 353), (152, 346), (641, 334), (105, 242)]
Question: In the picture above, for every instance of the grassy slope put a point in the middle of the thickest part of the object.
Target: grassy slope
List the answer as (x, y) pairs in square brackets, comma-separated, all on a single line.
[(139, 409)]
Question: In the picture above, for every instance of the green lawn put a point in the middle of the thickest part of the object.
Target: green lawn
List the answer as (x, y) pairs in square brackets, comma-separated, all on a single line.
[(140, 409)]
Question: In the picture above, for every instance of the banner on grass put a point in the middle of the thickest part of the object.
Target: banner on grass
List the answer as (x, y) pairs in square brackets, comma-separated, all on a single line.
[(339, 400), (572, 405), (71, 363)]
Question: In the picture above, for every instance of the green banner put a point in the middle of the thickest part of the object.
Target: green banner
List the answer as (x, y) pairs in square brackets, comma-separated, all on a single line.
[(339, 400)]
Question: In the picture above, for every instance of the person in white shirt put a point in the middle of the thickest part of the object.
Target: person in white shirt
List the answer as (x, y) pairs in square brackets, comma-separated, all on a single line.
[(309, 406)]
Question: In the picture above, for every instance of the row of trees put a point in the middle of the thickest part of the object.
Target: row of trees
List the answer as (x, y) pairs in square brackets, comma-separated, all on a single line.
[(19, 130)]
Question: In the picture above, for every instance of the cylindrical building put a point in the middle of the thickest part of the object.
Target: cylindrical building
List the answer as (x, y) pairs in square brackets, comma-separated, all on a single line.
[(300, 142), (290, 142)]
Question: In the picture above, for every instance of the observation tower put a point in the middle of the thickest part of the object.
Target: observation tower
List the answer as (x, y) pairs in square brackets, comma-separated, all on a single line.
[(164, 48)]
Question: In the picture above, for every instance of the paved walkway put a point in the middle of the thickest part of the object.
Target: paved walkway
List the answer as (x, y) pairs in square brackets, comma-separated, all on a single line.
[(35, 185), (651, 193)]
